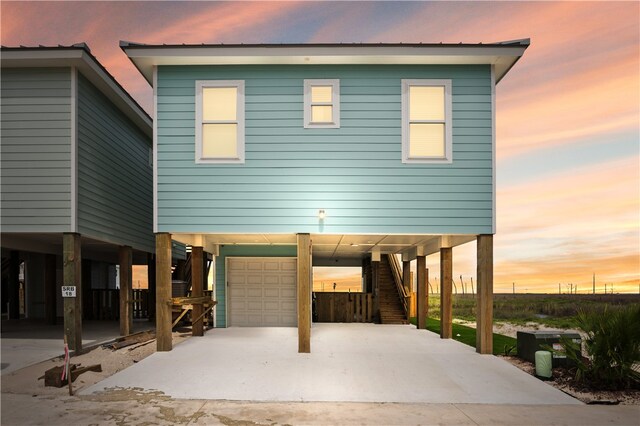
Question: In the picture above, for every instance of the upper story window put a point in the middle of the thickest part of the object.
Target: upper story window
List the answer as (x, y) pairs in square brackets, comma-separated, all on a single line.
[(220, 121), (322, 104), (426, 121)]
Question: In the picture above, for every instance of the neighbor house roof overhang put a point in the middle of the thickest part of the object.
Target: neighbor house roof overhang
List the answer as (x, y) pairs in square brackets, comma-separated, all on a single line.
[(79, 56), (502, 55)]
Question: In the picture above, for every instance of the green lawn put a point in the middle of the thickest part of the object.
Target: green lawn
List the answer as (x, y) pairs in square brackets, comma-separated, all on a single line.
[(467, 335)]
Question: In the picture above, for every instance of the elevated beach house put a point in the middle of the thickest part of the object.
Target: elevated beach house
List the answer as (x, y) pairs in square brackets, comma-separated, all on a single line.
[(77, 188), (277, 158)]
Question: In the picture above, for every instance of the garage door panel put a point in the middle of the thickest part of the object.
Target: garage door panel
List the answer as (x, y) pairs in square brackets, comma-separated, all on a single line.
[(271, 280), (271, 293), (262, 292), (235, 278), (288, 265), (288, 293), (254, 279), (271, 265), (253, 305), (271, 306), (288, 280), (253, 265), (254, 320), (237, 265), (253, 292), (287, 307), (289, 319)]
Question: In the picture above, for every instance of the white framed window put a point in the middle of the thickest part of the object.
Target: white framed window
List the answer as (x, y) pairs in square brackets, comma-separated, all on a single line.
[(426, 121), (322, 104), (219, 121)]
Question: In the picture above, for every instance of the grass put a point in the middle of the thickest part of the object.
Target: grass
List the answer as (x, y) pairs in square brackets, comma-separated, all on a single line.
[(558, 311), (467, 335)]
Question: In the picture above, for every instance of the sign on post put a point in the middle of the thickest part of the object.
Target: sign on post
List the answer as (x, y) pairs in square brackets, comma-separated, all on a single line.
[(68, 291)]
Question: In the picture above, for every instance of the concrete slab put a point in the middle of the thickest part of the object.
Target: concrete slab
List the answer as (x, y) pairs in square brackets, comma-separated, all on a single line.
[(122, 407), (348, 362), (28, 342)]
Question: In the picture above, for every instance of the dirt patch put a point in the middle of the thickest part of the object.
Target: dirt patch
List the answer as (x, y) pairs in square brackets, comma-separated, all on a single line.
[(563, 380), (28, 380)]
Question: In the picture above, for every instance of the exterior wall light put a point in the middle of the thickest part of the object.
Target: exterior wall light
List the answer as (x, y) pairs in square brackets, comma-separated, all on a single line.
[(321, 214)]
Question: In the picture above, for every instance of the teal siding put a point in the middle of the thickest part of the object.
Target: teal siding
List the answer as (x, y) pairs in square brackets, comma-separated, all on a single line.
[(35, 117), (241, 251), (355, 172), (115, 180)]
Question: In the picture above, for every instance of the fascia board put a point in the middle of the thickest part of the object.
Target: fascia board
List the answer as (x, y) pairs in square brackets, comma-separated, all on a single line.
[(145, 58)]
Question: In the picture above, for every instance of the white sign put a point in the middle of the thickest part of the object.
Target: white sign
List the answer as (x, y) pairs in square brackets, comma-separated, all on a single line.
[(68, 291)]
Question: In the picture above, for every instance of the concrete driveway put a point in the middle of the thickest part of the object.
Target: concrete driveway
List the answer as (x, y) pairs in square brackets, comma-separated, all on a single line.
[(349, 363)]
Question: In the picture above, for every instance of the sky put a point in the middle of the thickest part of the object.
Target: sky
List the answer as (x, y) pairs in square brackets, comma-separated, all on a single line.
[(568, 114)]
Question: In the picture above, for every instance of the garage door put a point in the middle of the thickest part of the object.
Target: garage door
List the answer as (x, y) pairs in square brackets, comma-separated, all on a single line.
[(261, 291)]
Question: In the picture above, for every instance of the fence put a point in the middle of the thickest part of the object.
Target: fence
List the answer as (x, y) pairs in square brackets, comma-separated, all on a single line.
[(343, 307), (105, 304)]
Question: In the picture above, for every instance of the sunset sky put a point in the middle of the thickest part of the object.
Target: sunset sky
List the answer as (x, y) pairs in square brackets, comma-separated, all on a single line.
[(568, 115)]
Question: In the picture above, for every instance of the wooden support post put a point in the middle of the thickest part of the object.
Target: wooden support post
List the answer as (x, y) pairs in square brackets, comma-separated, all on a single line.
[(72, 271), (304, 293), (163, 292), (126, 292), (151, 280), (197, 276), (484, 295), (50, 289), (421, 309), (375, 283), (406, 275), (14, 284), (446, 303)]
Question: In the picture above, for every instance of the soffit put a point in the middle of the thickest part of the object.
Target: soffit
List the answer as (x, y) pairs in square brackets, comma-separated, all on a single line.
[(501, 55)]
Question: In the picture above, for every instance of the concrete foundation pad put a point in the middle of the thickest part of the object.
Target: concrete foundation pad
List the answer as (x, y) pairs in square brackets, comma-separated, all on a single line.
[(348, 362)]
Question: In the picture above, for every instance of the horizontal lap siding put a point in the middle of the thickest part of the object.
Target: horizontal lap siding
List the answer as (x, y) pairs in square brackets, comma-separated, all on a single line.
[(35, 113), (115, 181), (355, 172)]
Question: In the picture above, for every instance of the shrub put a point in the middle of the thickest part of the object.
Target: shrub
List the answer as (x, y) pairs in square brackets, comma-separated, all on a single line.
[(612, 346)]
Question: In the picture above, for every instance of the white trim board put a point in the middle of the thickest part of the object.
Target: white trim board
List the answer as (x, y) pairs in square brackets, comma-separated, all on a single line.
[(155, 149), (74, 149)]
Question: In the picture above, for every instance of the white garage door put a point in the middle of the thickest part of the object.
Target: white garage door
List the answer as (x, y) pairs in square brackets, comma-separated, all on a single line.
[(261, 291)]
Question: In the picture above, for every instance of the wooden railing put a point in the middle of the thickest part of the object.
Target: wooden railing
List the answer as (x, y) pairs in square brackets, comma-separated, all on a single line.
[(105, 304), (396, 272), (343, 307), (140, 303)]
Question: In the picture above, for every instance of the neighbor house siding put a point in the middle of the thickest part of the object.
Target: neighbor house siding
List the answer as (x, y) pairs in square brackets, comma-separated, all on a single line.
[(35, 111), (115, 181), (354, 173), (241, 251)]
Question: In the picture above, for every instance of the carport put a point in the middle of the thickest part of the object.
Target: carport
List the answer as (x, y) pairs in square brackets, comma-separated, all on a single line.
[(350, 362)]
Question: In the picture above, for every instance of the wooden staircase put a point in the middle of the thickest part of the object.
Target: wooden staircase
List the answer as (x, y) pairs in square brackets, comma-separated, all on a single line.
[(391, 308)]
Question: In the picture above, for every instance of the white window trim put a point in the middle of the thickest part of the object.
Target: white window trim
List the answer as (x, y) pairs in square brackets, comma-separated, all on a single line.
[(239, 85), (335, 97), (448, 119)]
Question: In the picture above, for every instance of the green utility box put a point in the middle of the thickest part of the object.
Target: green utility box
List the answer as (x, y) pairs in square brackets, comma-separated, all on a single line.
[(531, 341)]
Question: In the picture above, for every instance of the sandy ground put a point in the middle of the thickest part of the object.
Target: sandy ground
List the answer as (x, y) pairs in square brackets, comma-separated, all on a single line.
[(511, 330), (29, 380)]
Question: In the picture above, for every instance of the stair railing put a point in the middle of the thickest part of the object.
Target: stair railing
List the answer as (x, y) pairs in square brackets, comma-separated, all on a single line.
[(396, 273)]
